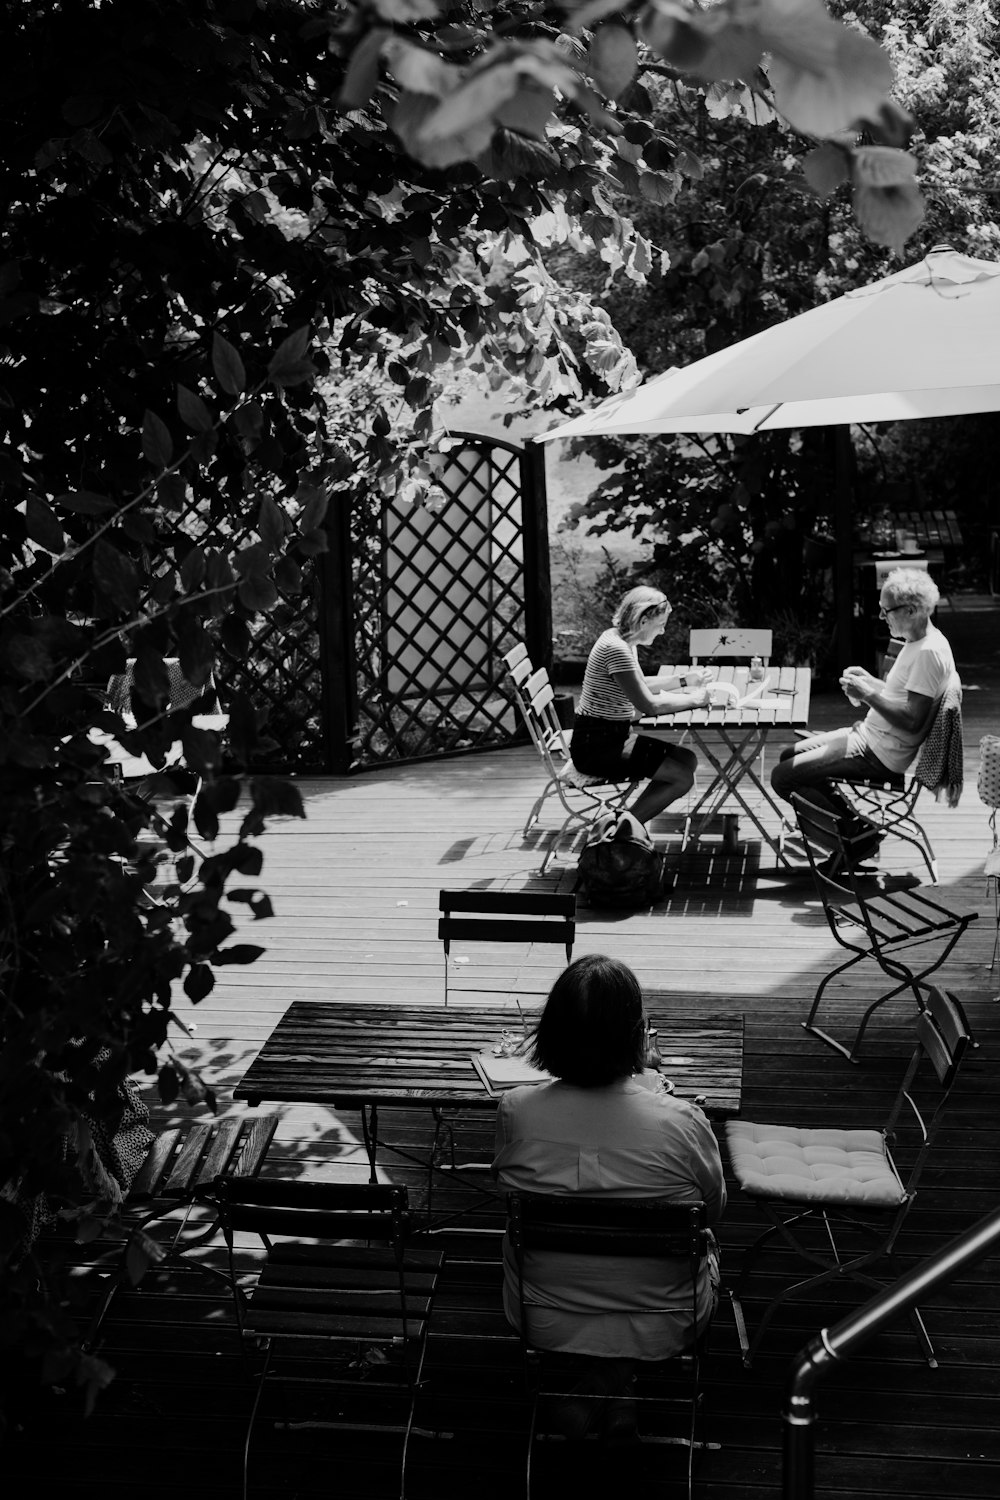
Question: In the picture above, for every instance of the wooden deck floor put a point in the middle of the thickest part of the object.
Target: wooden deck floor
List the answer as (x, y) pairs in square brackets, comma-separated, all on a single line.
[(355, 894)]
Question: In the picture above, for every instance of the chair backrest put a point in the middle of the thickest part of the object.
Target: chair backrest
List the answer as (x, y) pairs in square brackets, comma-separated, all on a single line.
[(943, 1038), (312, 1210), (730, 642), (538, 698), (516, 657), (574, 1224), (823, 838), (504, 917)]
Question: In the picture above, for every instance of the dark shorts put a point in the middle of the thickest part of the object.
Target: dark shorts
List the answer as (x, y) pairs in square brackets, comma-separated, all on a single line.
[(598, 749)]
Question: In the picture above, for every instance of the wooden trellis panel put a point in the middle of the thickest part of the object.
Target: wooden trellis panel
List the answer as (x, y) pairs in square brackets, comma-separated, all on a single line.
[(454, 589), (283, 670), (393, 648)]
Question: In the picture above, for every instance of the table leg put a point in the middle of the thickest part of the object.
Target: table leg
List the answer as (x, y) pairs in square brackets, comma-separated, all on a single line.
[(369, 1131), (729, 773)]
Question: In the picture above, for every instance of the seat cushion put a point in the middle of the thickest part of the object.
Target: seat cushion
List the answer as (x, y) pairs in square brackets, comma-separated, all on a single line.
[(574, 777), (834, 1167)]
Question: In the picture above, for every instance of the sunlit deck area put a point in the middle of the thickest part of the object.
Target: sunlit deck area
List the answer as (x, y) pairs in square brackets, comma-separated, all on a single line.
[(355, 893)]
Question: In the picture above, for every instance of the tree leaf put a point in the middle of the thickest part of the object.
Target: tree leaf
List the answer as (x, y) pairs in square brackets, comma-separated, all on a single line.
[(171, 492), (689, 165), (854, 85), (288, 575), (228, 366), (84, 503), (314, 510), (289, 355), (42, 525), (157, 444), (26, 657), (362, 70), (192, 569), (612, 59), (115, 576), (889, 216), (658, 187), (193, 410), (826, 168), (257, 594), (528, 112), (882, 166), (270, 524)]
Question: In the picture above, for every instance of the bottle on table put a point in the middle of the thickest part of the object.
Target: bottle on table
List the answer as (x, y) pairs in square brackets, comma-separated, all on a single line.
[(653, 1058), (756, 669)]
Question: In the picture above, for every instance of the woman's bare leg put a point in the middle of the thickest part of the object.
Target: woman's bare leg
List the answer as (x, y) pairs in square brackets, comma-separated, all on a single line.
[(674, 778)]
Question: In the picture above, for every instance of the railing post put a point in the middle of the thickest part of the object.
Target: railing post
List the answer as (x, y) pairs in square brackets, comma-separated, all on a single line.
[(839, 1342), (799, 1417)]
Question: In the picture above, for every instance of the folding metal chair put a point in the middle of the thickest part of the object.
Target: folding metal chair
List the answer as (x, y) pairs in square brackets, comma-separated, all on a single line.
[(583, 798), (889, 803), (365, 1304), (572, 1224), (835, 1196), (504, 917), (884, 926)]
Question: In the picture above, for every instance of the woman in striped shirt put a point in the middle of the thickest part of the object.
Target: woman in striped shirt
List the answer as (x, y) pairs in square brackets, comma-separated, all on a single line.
[(615, 692)]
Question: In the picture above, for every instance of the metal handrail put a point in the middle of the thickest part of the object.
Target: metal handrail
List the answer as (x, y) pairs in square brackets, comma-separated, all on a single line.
[(832, 1345)]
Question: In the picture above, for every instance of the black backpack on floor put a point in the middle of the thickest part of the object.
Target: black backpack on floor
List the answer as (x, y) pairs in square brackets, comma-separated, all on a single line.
[(619, 867)]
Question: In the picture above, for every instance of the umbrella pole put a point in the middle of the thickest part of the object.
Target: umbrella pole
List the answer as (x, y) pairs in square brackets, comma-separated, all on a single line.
[(843, 530)]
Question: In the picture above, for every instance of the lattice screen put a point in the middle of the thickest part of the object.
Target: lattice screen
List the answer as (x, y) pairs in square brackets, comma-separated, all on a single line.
[(446, 601), (282, 671), (410, 664)]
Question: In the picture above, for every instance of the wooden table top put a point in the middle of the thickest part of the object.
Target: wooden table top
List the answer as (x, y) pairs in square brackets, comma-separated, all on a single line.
[(351, 1056), (785, 700)]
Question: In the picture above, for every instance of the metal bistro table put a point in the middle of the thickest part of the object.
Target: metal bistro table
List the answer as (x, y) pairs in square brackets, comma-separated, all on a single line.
[(744, 733), (371, 1058)]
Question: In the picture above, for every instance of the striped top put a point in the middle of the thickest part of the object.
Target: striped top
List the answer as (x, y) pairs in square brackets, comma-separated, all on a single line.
[(602, 696)]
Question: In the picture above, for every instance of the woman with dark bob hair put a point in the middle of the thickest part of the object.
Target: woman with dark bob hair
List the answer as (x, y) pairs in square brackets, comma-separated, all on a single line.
[(615, 692), (605, 1126)]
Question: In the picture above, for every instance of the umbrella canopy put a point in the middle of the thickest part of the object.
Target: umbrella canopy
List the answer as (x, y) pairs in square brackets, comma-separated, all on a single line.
[(923, 342)]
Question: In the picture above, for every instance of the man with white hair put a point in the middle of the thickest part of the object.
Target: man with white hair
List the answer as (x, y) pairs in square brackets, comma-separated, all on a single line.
[(883, 744)]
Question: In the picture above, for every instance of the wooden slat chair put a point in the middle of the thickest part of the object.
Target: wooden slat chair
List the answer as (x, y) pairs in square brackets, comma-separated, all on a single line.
[(885, 927), (504, 917), (552, 741), (583, 798), (343, 1280), (834, 1195), (180, 1172), (574, 1224), (519, 669)]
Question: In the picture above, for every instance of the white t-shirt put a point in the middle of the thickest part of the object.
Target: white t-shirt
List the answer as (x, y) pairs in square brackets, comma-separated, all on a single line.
[(925, 666)]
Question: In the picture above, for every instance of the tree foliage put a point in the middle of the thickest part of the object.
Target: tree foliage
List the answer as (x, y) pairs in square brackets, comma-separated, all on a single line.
[(244, 240), (747, 244)]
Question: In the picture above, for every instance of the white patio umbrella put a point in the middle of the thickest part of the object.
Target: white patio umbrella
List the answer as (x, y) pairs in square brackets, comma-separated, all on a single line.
[(923, 342)]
